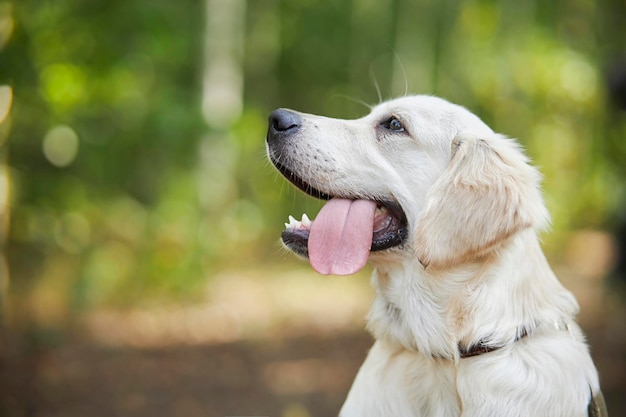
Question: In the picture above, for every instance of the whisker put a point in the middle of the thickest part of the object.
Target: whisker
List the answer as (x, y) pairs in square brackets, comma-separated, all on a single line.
[(354, 100), (376, 85), (406, 80)]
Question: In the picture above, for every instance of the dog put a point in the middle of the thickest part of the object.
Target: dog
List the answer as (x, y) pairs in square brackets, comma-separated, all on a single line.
[(468, 318)]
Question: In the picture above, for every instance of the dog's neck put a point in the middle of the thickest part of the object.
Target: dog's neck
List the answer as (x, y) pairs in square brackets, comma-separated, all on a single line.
[(489, 302)]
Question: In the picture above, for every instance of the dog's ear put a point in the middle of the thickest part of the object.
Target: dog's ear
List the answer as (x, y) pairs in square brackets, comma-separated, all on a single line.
[(487, 193)]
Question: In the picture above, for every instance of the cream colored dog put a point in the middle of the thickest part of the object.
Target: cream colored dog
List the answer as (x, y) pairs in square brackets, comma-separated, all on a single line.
[(468, 317)]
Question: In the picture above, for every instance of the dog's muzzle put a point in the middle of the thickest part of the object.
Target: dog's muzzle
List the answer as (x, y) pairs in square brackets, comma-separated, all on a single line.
[(388, 227)]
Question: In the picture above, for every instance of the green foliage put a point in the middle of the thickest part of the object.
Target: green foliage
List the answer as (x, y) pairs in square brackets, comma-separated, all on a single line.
[(121, 192)]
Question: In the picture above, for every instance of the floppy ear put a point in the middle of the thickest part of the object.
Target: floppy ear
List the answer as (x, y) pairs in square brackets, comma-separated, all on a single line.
[(487, 193)]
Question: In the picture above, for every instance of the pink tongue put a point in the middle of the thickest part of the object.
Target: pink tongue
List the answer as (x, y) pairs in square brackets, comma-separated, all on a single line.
[(341, 236)]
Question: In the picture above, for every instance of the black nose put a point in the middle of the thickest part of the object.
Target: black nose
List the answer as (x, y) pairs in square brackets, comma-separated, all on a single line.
[(282, 122)]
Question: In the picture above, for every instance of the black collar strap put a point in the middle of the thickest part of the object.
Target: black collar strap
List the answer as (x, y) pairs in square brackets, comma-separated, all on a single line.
[(481, 347)]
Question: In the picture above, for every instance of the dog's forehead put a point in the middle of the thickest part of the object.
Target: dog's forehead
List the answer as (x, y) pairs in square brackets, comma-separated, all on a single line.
[(426, 109)]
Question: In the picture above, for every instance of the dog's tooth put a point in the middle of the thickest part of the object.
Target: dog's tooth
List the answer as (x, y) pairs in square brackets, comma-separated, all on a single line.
[(293, 223), (297, 224)]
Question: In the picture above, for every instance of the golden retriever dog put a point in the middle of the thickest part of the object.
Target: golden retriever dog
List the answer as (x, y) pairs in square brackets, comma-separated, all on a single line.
[(468, 317)]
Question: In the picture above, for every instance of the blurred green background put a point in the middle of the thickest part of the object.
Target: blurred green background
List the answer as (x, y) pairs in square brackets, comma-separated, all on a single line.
[(132, 136)]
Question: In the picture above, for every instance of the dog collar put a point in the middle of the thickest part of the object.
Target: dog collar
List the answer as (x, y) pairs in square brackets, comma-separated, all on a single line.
[(481, 347)]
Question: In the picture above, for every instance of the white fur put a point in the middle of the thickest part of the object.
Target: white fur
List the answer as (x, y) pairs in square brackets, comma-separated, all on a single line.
[(471, 271)]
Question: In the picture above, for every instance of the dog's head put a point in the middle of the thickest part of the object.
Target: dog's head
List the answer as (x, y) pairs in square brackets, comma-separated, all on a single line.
[(418, 176)]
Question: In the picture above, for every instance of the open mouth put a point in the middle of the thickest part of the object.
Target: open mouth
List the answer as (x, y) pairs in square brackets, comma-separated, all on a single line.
[(388, 228)]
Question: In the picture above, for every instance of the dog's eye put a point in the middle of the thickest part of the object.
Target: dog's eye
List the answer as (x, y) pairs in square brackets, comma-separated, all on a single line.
[(393, 124)]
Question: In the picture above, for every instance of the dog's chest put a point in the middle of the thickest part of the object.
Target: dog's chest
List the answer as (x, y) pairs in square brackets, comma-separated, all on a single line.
[(401, 383)]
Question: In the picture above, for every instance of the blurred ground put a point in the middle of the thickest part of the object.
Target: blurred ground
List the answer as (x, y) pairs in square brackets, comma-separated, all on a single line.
[(265, 343)]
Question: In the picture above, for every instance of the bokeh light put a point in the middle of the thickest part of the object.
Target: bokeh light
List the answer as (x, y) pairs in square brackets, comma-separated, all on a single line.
[(60, 146)]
